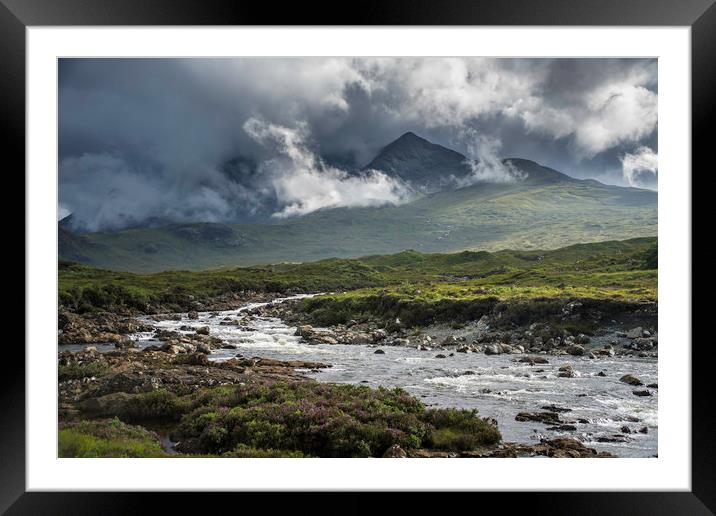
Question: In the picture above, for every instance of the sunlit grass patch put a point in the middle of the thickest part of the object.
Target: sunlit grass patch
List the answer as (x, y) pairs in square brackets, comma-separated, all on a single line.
[(107, 438)]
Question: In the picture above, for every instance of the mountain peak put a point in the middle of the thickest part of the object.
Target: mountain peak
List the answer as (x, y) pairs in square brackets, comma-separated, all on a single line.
[(410, 140), (425, 165), (410, 137)]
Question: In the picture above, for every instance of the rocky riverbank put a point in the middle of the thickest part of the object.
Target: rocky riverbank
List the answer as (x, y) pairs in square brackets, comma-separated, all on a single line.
[(101, 384), (92, 328), (183, 395), (635, 336), (114, 327), (172, 387)]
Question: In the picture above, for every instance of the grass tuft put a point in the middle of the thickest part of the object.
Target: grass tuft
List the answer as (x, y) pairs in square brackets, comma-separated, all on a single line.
[(108, 438)]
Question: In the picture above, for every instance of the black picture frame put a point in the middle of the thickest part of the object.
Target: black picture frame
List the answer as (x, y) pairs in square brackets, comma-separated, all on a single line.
[(16, 15)]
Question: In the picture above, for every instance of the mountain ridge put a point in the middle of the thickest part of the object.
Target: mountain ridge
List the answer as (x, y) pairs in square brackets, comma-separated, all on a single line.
[(414, 159), (546, 209)]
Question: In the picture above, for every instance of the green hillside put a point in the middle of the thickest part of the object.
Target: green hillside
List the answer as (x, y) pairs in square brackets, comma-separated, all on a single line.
[(620, 270), (543, 212)]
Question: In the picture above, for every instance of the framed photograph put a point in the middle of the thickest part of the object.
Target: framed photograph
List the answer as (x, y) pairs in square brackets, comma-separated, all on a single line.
[(279, 251)]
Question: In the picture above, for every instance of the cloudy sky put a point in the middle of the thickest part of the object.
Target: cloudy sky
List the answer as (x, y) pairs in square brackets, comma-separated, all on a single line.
[(184, 140)]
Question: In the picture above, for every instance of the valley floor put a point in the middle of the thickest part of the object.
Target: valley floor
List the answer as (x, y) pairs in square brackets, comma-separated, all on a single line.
[(557, 350)]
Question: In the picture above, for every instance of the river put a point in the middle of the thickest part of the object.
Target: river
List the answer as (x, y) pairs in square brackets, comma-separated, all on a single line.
[(498, 386)]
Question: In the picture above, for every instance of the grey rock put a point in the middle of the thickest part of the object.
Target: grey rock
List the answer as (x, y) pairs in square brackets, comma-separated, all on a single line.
[(631, 380), (642, 393), (635, 333), (575, 350)]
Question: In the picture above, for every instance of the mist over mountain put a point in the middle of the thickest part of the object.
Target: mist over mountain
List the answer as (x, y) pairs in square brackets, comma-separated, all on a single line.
[(149, 142), (449, 203), (406, 168)]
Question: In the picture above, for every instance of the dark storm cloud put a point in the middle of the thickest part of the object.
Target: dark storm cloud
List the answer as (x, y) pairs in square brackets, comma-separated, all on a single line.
[(149, 139)]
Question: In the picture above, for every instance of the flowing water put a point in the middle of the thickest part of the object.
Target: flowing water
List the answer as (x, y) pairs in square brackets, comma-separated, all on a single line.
[(497, 386)]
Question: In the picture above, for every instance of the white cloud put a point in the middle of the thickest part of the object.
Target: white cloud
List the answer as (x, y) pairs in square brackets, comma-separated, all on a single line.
[(485, 162), (455, 92), (104, 193), (604, 119), (176, 122), (446, 92), (635, 166), (303, 183)]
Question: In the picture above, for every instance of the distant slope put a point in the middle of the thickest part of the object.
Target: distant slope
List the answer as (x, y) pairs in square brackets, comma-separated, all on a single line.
[(546, 211), (74, 248)]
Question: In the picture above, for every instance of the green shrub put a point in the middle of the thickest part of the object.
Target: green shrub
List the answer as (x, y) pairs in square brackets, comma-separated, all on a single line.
[(324, 420), (107, 439), (160, 404), (76, 371), (458, 429)]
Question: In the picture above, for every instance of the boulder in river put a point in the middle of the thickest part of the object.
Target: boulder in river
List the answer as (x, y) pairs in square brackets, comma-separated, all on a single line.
[(166, 335), (635, 333), (566, 371), (378, 335), (315, 336), (563, 428), (631, 380), (204, 330), (613, 438), (492, 349), (533, 360), (193, 314), (575, 350), (305, 331), (645, 392), (582, 339), (555, 408), (643, 344), (548, 418), (379, 352), (125, 344), (450, 340)]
